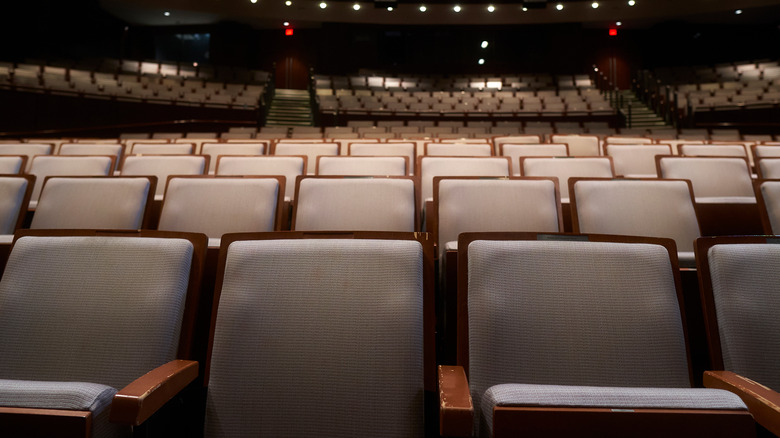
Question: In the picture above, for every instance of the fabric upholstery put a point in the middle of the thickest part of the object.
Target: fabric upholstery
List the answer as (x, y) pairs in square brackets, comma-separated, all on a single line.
[(92, 203), (495, 205), (515, 151), (216, 206), (43, 166), (350, 165), (377, 149), (10, 165), (462, 149), (12, 190), (711, 177), (457, 166), (311, 150), (91, 309), (770, 192), (366, 204), (519, 395), (770, 168), (162, 167), (636, 160), (318, 337), (638, 208), (78, 396), (579, 145), (27, 149), (565, 168), (744, 284), (161, 149), (762, 151), (713, 150), (289, 167), (573, 313), (112, 149), (214, 150)]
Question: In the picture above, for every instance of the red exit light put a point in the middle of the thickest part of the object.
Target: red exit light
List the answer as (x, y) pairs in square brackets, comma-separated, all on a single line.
[(613, 32), (288, 32)]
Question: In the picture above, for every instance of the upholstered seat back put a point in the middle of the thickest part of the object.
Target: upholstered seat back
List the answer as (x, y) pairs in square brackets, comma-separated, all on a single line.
[(515, 151), (430, 167), (162, 166), (320, 337), (745, 278), (288, 167), (565, 168), (92, 203), (636, 159), (712, 177), (215, 150), (12, 164), (91, 309), (12, 194), (355, 165), (573, 313), (215, 206), (45, 165)]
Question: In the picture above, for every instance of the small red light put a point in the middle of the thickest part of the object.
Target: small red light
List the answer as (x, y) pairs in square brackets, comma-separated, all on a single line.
[(613, 32), (288, 32)]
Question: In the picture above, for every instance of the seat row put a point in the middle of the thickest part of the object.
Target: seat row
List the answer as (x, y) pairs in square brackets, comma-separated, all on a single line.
[(322, 334)]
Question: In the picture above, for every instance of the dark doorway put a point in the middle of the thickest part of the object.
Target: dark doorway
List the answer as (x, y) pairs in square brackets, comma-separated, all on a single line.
[(291, 72)]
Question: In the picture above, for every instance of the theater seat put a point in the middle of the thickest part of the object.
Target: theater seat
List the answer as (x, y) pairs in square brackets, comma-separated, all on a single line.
[(77, 332), (322, 335), (576, 335), (738, 280)]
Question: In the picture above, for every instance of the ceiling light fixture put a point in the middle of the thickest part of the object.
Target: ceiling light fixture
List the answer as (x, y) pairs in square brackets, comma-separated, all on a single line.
[(594, 5), (525, 9), (559, 6), (423, 8), (288, 3), (491, 8), (456, 8), (356, 6), (484, 44), (481, 61), (390, 8), (286, 23), (167, 14), (323, 5), (618, 23), (631, 2), (253, 1), (738, 11)]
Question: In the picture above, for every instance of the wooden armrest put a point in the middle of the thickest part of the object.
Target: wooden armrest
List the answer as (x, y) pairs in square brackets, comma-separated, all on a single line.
[(456, 412), (136, 402), (762, 402)]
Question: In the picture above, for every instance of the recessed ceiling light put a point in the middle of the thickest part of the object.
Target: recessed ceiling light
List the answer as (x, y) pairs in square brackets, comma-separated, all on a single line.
[(525, 9), (738, 11), (595, 69), (323, 5), (481, 61), (390, 8), (194, 64), (484, 44), (594, 5), (631, 2), (491, 8), (253, 1), (286, 23), (288, 3), (456, 8), (167, 14), (423, 8), (356, 6), (618, 23), (559, 6)]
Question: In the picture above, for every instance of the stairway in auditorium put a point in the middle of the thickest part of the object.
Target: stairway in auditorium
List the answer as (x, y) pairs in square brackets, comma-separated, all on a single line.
[(290, 108), (641, 115)]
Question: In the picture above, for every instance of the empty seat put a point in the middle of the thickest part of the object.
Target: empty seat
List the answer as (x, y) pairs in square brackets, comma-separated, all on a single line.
[(714, 179), (163, 166), (653, 208), (296, 309), (627, 140), (115, 150), (364, 204), (517, 151), (579, 145), (768, 168), (57, 165), (561, 333), (12, 164), (162, 149), (739, 296), (379, 149), (15, 192), (636, 160), (362, 165), (458, 149), (106, 309), (290, 167), (712, 150), (310, 150), (28, 150), (768, 195), (564, 168), (215, 150), (216, 206), (119, 203), (430, 167)]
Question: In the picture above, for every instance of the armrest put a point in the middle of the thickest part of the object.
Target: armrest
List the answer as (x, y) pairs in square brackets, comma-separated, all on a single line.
[(762, 402), (136, 402), (456, 412)]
